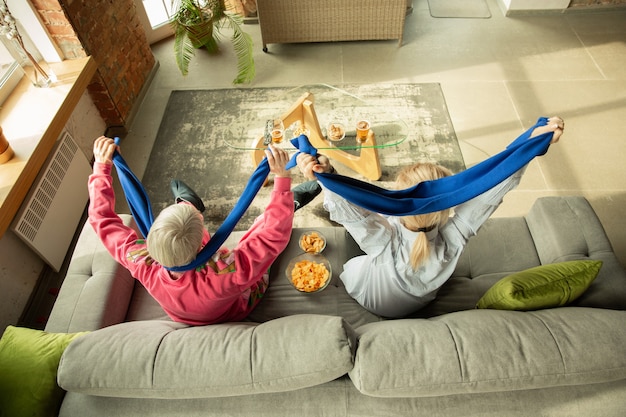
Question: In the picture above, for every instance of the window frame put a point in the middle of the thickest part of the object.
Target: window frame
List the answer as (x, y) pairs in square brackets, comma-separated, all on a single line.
[(9, 80), (32, 24)]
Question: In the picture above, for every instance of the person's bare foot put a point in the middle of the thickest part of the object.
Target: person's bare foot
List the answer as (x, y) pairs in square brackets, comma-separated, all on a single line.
[(555, 124)]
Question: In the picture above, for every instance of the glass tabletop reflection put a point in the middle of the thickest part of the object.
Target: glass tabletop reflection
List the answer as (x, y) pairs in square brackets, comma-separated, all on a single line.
[(334, 120)]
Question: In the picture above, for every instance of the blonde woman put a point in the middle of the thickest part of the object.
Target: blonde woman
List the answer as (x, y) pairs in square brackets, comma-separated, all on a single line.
[(407, 259)]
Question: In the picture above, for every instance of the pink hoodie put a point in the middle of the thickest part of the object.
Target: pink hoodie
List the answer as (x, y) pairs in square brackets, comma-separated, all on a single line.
[(227, 288)]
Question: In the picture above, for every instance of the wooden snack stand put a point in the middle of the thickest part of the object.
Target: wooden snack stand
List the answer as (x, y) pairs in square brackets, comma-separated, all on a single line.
[(303, 112)]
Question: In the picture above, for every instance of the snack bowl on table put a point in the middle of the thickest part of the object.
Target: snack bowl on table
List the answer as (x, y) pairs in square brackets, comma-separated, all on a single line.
[(309, 273), (296, 129), (312, 242), (335, 131)]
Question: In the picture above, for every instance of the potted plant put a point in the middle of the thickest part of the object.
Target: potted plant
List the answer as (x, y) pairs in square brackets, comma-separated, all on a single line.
[(197, 24)]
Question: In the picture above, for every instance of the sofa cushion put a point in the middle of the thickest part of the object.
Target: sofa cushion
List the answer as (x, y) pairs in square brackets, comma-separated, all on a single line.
[(490, 350), (161, 359), (28, 369), (544, 286)]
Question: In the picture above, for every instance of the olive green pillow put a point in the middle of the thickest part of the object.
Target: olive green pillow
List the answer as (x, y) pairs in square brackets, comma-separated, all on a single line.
[(545, 286), (29, 360)]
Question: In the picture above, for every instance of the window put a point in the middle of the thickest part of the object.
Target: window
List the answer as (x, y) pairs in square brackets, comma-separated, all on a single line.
[(155, 16), (159, 11), (10, 73), (6, 60), (30, 27)]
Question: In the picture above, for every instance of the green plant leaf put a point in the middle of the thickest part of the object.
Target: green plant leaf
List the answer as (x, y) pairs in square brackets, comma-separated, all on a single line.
[(190, 11), (183, 50), (242, 42)]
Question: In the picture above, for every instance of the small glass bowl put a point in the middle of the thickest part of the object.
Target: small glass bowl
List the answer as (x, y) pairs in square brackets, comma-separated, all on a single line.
[(309, 287), (335, 132), (312, 242), (296, 129)]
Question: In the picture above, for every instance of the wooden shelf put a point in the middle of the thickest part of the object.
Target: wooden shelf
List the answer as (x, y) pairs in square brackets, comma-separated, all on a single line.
[(32, 119)]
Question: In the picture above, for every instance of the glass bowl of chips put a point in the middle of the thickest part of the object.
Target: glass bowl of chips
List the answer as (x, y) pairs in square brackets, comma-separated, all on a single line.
[(312, 242), (309, 273), (335, 132)]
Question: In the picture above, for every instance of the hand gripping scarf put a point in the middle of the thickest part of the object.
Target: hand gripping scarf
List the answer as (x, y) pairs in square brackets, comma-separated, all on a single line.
[(141, 210), (425, 197), (441, 194)]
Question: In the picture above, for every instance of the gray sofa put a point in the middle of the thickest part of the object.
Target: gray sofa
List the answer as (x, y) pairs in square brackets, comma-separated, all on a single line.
[(323, 355)]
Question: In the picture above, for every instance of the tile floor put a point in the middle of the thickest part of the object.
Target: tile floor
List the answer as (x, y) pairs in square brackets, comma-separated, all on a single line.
[(498, 75)]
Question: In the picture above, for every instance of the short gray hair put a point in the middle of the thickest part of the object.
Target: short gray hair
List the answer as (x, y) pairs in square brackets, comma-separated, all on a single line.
[(176, 235)]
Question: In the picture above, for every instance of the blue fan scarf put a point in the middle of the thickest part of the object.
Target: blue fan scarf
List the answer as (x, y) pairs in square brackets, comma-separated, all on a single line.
[(425, 197)]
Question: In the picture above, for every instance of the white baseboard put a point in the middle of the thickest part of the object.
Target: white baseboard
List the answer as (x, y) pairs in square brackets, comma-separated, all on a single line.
[(509, 7)]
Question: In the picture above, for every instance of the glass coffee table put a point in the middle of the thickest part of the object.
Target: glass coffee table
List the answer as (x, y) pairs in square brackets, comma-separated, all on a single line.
[(329, 117)]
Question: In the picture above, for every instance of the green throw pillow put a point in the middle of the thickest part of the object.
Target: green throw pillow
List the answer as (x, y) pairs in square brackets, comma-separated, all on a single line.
[(28, 371), (545, 286)]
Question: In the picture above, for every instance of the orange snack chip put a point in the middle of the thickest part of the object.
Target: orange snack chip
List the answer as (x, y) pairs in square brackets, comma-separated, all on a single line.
[(300, 130), (312, 242), (309, 276)]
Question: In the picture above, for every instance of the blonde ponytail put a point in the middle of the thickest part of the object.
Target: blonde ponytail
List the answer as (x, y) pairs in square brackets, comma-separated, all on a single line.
[(420, 250), (422, 223)]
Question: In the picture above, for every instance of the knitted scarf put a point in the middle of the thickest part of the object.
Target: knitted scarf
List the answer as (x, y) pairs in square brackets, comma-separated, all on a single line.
[(425, 197)]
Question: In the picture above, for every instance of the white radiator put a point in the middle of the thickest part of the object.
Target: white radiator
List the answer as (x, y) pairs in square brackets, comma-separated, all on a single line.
[(52, 210)]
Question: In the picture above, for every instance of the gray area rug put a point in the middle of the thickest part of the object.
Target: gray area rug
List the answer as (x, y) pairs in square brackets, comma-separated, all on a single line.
[(459, 9), (191, 144)]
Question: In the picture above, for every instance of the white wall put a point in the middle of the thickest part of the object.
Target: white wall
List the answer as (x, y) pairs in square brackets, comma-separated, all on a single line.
[(510, 6), (20, 267)]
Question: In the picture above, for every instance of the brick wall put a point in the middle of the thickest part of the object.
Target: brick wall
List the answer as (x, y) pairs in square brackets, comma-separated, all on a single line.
[(109, 31), (59, 28)]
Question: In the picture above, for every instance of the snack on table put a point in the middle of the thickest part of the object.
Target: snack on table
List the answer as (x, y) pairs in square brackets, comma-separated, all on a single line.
[(300, 130), (336, 131), (312, 242), (309, 276)]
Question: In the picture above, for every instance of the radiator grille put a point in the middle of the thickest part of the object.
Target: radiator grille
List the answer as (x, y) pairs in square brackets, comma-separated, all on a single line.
[(50, 214)]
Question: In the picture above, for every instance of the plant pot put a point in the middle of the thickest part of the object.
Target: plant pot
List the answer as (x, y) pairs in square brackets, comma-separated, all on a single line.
[(6, 152), (200, 33)]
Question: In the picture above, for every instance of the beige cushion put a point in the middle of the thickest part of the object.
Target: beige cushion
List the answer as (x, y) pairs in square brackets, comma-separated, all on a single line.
[(161, 359), (490, 350)]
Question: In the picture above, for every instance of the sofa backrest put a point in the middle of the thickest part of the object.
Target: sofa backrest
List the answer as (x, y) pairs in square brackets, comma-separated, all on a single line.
[(556, 229), (98, 292)]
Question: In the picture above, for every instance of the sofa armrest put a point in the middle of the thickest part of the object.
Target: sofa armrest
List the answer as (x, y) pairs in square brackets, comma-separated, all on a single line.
[(567, 228), (96, 290)]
